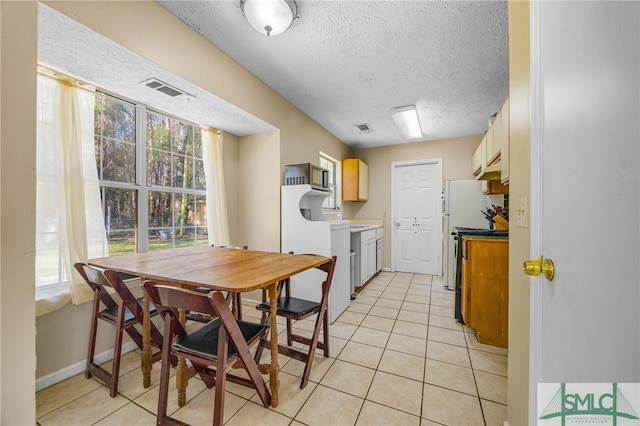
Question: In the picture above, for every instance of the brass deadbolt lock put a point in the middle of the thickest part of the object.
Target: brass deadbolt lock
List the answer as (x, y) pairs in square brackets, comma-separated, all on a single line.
[(540, 266)]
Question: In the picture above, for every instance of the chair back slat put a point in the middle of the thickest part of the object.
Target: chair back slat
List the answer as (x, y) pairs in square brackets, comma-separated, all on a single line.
[(186, 299), (92, 276), (129, 300), (97, 281)]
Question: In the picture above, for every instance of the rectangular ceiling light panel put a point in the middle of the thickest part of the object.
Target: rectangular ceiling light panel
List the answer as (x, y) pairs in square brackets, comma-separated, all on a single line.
[(406, 119)]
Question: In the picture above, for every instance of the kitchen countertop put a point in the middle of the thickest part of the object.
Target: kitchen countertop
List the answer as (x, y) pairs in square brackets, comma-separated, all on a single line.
[(362, 228)]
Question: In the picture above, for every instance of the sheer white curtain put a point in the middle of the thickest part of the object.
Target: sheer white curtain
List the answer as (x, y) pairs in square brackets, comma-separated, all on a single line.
[(69, 223), (217, 220)]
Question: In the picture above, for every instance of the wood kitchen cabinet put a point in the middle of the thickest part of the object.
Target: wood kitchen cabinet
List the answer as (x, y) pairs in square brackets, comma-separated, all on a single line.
[(485, 288), (355, 180)]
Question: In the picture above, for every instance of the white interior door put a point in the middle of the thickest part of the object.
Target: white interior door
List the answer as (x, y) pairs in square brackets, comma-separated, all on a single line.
[(585, 193), (416, 213)]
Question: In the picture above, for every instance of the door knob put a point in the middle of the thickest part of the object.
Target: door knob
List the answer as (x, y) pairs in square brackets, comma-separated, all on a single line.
[(538, 266), (397, 224)]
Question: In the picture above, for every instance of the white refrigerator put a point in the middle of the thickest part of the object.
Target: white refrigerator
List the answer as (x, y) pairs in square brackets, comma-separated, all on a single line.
[(462, 203)]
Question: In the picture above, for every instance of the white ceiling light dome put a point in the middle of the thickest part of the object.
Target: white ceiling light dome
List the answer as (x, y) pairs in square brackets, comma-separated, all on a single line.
[(269, 17)]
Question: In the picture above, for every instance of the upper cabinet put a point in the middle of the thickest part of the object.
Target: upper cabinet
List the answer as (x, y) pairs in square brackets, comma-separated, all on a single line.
[(493, 142), (487, 160), (355, 180), (478, 157)]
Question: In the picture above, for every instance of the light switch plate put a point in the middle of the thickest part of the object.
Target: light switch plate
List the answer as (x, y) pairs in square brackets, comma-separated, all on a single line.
[(522, 212)]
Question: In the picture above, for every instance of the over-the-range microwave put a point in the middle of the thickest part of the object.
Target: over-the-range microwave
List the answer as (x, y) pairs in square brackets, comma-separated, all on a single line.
[(307, 173)]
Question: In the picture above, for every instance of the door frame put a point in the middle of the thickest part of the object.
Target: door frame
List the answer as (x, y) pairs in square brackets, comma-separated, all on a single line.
[(535, 206), (394, 166)]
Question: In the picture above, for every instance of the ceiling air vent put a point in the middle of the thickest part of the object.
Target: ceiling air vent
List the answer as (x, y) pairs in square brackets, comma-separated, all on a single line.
[(163, 87), (364, 128)]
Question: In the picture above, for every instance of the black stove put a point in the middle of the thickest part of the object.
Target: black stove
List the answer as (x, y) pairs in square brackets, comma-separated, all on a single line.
[(479, 231), (459, 233)]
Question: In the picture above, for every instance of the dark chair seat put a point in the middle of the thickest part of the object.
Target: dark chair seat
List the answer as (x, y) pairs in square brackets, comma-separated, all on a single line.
[(112, 312), (204, 341), (292, 306)]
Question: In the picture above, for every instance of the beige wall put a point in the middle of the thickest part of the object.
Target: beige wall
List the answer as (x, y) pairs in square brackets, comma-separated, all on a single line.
[(519, 238), (18, 22), (230, 149), (259, 178), (456, 164)]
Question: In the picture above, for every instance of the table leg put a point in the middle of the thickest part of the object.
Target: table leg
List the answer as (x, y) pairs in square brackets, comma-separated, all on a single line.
[(146, 360), (182, 371), (273, 371)]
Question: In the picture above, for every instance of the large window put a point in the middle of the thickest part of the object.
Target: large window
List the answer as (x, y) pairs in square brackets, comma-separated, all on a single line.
[(331, 164), (151, 177)]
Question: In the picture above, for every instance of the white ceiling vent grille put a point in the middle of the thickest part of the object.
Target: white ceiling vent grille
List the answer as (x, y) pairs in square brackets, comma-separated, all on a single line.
[(364, 128), (163, 87)]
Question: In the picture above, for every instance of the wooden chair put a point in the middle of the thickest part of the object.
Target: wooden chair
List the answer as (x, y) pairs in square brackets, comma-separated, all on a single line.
[(296, 309), (207, 347), (123, 314)]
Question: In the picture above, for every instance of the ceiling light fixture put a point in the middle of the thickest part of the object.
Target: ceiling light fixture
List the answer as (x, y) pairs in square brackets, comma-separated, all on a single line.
[(269, 17), (406, 118)]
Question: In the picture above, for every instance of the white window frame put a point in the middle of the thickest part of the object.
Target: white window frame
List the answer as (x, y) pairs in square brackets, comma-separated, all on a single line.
[(337, 187), (140, 185)]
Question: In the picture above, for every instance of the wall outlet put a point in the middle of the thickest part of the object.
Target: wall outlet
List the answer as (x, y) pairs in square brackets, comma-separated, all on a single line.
[(522, 212)]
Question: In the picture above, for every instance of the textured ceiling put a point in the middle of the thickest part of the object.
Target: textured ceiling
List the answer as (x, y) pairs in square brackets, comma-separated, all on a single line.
[(350, 62), (79, 52)]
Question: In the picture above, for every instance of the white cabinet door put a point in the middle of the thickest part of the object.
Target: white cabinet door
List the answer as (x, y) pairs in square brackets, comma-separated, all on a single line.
[(371, 257), (364, 261), (367, 261), (340, 294), (378, 255)]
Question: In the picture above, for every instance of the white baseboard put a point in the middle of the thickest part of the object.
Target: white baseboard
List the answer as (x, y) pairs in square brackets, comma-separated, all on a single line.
[(386, 269), (79, 367)]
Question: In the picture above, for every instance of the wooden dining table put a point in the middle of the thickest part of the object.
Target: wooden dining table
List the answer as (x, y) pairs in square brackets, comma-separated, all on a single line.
[(217, 268)]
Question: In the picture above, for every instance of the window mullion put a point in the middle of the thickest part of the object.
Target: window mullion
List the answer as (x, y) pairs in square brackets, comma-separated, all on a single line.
[(141, 178)]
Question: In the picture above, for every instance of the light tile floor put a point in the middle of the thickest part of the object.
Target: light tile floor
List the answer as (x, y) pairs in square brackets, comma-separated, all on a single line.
[(398, 358)]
